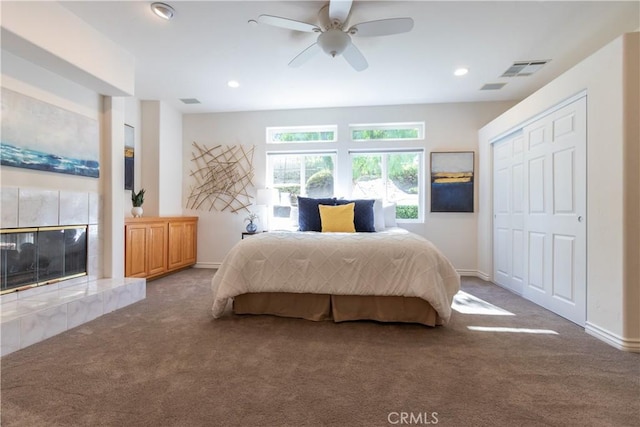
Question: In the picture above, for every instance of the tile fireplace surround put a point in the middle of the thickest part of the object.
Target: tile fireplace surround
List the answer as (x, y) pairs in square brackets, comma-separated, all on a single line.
[(36, 314)]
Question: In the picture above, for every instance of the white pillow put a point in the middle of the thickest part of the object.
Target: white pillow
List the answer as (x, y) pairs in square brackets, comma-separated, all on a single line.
[(389, 215), (293, 216), (378, 215)]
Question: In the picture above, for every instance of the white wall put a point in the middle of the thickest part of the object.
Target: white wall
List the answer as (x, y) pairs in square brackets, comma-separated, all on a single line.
[(608, 314), (631, 155), (448, 127), (170, 166), (50, 35), (161, 159)]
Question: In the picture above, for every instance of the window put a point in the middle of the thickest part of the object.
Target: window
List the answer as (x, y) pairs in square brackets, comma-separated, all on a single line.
[(379, 169), (387, 131), (395, 176), (304, 174), (279, 135)]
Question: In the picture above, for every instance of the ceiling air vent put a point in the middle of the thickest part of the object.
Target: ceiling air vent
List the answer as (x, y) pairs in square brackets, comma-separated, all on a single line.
[(524, 68), (492, 86), (190, 100)]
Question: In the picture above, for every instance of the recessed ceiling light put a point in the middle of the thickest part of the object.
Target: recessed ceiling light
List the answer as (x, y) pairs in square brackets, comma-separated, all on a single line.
[(460, 72), (233, 83), (163, 10)]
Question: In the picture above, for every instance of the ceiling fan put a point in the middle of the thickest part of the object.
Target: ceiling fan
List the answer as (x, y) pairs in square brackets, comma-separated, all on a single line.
[(335, 38)]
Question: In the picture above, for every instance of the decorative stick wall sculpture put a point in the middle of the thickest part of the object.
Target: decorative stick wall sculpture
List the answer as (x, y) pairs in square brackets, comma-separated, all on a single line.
[(222, 176)]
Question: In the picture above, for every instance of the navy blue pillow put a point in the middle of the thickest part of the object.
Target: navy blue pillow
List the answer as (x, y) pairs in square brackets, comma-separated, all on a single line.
[(363, 217), (309, 214)]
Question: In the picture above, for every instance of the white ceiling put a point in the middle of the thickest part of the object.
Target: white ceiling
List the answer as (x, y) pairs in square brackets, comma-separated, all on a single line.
[(210, 42)]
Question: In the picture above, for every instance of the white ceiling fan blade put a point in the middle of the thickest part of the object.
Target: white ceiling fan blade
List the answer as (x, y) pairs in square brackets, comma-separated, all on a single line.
[(383, 27), (305, 55), (287, 23), (339, 10), (355, 58)]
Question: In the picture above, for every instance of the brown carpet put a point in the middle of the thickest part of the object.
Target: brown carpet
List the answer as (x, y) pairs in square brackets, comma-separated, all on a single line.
[(165, 362)]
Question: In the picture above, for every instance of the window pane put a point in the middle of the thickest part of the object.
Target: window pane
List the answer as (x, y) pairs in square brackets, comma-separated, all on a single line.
[(394, 177), (403, 174), (302, 136), (286, 171), (359, 135), (367, 176), (388, 131), (325, 133), (311, 175), (319, 170)]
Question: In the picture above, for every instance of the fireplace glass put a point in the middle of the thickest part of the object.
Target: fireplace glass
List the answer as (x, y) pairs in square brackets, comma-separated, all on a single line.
[(38, 256)]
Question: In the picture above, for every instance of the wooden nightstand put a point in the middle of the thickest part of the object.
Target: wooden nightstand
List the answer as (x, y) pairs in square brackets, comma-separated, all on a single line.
[(246, 233)]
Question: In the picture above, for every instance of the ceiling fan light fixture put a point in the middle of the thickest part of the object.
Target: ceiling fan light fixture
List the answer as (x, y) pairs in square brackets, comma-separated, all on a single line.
[(163, 10), (333, 41)]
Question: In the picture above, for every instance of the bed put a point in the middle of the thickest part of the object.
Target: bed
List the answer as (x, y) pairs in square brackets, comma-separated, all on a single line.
[(389, 276)]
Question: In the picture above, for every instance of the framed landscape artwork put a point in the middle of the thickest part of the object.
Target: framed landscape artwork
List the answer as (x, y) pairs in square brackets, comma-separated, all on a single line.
[(452, 181), (129, 151)]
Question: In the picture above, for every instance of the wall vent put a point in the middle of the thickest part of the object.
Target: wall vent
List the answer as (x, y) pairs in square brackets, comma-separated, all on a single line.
[(524, 68), (493, 86), (190, 100)]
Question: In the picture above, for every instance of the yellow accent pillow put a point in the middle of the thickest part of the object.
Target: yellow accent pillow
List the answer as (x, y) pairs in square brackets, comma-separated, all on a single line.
[(337, 218)]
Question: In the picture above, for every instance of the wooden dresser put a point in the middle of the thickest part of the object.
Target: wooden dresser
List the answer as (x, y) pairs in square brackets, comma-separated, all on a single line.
[(155, 246)]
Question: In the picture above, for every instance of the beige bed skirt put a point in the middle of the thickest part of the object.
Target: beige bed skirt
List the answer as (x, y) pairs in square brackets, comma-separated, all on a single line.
[(338, 308)]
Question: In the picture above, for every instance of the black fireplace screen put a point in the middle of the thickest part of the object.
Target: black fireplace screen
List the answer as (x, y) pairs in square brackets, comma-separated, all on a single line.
[(37, 256)]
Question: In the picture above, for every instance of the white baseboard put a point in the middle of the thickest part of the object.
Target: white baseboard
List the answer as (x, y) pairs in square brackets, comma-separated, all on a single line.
[(473, 273), (464, 272), (212, 265), (484, 276), (625, 344)]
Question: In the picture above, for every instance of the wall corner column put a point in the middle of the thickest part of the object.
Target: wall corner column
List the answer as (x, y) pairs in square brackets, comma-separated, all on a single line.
[(113, 179), (631, 209)]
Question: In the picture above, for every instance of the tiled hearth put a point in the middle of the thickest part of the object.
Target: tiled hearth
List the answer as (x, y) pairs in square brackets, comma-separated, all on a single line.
[(36, 314), (33, 315)]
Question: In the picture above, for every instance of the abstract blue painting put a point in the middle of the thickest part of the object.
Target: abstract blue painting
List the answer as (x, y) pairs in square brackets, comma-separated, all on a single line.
[(452, 182), (41, 136)]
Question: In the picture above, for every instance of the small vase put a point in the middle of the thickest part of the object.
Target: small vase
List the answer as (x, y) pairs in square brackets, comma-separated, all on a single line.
[(136, 211), (251, 227)]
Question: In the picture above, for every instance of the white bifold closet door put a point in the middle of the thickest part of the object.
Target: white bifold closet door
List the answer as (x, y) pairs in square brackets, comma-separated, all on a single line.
[(539, 192), (508, 213)]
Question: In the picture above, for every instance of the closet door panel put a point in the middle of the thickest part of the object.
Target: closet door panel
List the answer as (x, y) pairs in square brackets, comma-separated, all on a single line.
[(540, 211)]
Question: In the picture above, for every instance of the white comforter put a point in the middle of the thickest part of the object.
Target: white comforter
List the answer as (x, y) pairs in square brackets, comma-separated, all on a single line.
[(392, 262)]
